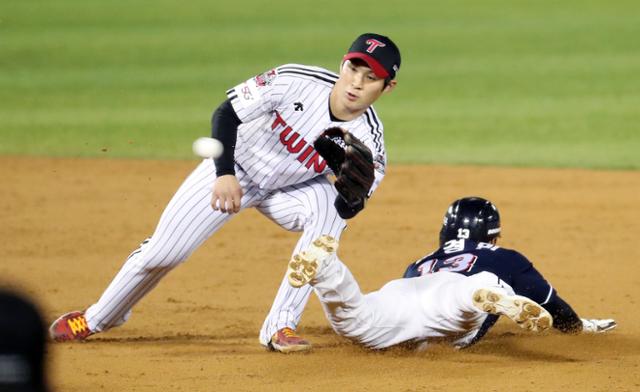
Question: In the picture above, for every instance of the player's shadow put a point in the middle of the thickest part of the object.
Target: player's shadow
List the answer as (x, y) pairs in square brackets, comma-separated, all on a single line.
[(552, 348), (557, 347), (516, 348), (510, 345), (177, 338), (506, 348)]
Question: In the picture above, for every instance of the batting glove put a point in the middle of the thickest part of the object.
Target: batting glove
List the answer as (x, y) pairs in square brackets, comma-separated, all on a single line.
[(598, 326)]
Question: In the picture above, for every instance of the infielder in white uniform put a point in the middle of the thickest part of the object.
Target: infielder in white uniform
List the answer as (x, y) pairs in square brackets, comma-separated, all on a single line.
[(277, 158)]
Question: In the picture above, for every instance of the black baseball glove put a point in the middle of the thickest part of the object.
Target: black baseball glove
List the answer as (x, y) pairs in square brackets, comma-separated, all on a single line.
[(352, 163)]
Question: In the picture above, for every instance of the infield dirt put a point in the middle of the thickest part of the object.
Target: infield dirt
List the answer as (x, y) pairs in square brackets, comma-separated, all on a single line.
[(68, 224)]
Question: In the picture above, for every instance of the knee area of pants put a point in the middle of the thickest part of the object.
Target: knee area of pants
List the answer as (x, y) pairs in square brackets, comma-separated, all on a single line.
[(485, 277), (330, 224), (156, 264)]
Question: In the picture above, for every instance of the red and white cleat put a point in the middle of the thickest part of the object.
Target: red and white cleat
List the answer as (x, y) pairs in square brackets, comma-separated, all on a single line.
[(286, 341), (70, 326)]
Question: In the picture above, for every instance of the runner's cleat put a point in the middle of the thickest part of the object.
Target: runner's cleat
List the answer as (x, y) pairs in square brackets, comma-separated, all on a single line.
[(523, 311), (305, 265)]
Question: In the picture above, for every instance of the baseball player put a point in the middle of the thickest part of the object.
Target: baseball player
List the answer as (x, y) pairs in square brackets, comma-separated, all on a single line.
[(276, 128), (454, 294)]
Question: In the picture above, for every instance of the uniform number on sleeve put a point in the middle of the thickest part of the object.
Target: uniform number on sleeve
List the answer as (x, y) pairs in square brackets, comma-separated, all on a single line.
[(459, 263)]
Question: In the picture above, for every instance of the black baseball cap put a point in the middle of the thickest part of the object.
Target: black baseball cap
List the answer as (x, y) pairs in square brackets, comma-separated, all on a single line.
[(379, 52), (22, 344)]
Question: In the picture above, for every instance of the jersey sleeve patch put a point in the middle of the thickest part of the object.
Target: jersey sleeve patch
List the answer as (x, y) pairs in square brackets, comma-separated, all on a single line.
[(249, 92), (379, 163), (265, 79)]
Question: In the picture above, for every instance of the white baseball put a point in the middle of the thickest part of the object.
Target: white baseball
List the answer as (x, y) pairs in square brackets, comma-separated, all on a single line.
[(207, 147)]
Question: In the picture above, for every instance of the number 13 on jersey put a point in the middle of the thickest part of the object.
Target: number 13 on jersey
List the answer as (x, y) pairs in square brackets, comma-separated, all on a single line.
[(459, 263)]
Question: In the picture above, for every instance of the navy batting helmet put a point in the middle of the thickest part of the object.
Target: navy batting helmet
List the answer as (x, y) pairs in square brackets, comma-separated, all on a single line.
[(472, 218)]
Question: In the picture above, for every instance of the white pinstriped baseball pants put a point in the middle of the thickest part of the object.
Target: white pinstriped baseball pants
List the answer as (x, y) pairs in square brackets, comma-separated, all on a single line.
[(188, 220)]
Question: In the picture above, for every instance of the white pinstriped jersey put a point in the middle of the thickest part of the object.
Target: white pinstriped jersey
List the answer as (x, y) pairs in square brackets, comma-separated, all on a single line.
[(283, 111)]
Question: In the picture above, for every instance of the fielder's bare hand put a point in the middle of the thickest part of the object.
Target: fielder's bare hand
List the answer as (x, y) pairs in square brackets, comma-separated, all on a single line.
[(227, 194)]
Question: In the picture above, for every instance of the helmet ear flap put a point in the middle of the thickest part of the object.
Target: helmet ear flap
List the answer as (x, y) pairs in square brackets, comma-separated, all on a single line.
[(443, 235)]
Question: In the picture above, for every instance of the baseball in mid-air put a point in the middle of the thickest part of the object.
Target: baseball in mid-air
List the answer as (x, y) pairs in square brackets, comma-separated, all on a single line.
[(207, 147)]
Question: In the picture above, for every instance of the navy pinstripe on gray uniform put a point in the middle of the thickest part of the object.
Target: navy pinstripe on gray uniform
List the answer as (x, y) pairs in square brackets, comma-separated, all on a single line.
[(283, 111)]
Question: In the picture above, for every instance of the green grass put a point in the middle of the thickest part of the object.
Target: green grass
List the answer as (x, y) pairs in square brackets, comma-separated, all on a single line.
[(526, 83)]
